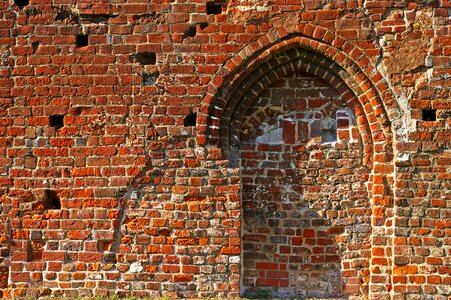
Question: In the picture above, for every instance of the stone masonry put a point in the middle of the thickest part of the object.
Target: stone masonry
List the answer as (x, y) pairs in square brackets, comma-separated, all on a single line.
[(197, 148)]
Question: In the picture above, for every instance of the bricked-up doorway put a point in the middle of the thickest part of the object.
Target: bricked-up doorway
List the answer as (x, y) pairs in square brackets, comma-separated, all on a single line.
[(306, 212)]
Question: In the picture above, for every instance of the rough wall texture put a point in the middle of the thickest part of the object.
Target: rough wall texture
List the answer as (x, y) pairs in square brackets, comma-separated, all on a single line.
[(305, 204), (215, 149)]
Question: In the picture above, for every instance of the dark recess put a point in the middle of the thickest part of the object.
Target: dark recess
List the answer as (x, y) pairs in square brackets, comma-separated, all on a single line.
[(429, 114), (21, 3), (146, 58), (214, 8), (190, 32), (51, 200), (65, 13), (33, 12), (95, 18), (82, 40), (35, 46), (164, 232), (190, 119), (57, 121), (62, 15), (203, 25)]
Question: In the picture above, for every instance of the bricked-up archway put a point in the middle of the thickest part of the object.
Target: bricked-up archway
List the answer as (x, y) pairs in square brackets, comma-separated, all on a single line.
[(281, 66), (306, 212), (347, 70)]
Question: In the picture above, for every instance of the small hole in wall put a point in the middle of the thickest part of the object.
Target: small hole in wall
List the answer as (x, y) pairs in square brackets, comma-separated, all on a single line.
[(203, 25), (57, 121), (95, 18), (190, 119), (82, 40), (35, 46), (146, 58), (104, 245), (429, 114), (190, 32), (214, 8), (21, 3), (51, 200), (164, 232)]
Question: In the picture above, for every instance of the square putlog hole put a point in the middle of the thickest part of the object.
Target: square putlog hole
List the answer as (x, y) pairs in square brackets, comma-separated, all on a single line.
[(429, 115), (214, 8), (57, 121), (146, 58), (82, 40), (51, 200), (190, 32), (21, 3), (190, 119)]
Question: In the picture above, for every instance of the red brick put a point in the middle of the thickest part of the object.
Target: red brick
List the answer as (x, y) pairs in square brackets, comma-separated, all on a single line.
[(266, 266), (267, 282), (182, 278)]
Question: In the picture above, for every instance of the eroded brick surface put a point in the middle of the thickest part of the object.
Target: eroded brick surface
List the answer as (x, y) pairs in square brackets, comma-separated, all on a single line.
[(305, 204), (218, 149)]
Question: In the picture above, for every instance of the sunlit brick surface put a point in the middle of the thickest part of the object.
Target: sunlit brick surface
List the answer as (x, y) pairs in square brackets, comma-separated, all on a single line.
[(224, 149)]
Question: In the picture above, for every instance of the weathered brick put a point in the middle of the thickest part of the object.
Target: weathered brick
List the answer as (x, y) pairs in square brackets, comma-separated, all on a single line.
[(258, 181)]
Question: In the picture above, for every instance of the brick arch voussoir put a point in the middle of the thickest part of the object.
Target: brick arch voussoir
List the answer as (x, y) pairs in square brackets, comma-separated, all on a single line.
[(378, 102), (260, 76), (313, 67), (307, 36)]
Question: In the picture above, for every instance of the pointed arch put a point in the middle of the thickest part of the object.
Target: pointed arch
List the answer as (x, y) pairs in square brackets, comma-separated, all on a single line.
[(375, 95), (341, 63)]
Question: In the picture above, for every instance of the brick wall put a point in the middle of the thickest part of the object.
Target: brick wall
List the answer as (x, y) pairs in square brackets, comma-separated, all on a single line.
[(306, 211), (218, 149)]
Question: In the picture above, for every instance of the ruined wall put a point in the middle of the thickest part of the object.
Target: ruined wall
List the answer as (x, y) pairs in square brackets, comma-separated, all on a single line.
[(218, 149)]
